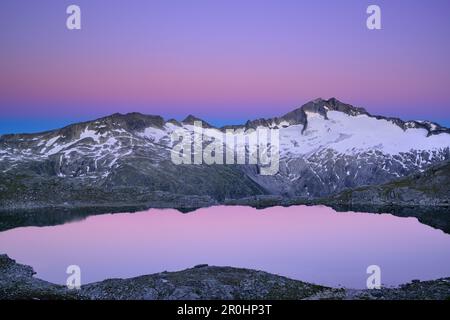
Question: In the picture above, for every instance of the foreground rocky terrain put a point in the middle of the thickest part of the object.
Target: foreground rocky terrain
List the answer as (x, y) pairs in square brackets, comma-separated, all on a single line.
[(201, 282), (326, 147)]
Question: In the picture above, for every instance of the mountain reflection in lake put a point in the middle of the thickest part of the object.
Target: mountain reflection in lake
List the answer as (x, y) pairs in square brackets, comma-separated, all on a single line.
[(313, 244)]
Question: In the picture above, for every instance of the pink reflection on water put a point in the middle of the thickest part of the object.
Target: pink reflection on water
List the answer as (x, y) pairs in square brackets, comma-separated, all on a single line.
[(313, 244)]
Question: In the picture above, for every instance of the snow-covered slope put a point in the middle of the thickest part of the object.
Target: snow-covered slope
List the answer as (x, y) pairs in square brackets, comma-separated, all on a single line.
[(355, 134), (337, 150)]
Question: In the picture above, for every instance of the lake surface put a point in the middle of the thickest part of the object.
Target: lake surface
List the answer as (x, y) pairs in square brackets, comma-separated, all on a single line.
[(313, 244)]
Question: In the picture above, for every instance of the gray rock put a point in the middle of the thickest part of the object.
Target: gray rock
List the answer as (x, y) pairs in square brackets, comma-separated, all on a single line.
[(208, 282)]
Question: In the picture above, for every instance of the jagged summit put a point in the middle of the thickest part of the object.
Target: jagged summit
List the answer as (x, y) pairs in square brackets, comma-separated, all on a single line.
[(321, 106), (132, 120), (136, 121), (190, 119)]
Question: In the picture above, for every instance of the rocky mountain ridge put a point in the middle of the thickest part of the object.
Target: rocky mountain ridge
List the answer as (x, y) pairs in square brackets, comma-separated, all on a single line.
[(326, 147), (428, 188)]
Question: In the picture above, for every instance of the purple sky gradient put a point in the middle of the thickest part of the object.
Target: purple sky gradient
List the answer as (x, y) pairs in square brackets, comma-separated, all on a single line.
[(224, 61)]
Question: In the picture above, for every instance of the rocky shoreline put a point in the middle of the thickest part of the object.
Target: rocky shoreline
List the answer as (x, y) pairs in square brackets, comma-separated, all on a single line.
[(17, 282)]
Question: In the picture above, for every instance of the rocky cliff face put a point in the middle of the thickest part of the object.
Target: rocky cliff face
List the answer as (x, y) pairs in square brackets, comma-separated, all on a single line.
[(428, 188), (326, 146)]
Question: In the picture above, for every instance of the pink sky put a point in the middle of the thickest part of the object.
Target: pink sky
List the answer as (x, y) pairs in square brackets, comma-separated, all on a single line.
[(226, 61)]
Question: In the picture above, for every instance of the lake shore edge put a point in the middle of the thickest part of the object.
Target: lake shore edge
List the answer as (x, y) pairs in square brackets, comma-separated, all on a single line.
[(203, 282), (436, 216)]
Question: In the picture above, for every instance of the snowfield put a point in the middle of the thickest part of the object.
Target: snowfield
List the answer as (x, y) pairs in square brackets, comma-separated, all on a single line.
[(355, 134)]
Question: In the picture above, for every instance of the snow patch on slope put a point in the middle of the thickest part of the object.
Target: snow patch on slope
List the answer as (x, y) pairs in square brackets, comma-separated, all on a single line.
[(153, 134), (354, 134), (87, 133)]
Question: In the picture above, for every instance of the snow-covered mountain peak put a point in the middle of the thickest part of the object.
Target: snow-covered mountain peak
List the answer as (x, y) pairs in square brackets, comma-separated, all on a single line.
[(325, 146), (349, 134), (190, 119)]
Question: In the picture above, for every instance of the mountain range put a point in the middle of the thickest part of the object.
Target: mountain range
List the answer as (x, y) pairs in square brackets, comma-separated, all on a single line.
[(327, 148)]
